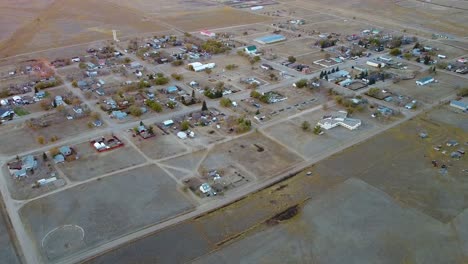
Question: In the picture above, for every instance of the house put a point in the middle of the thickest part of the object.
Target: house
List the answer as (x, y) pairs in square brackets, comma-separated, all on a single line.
[(172, 89), (169, 122), (6, 113), (339, 119), (194, 84), (375, 64), (40, 94), (59, 158), (97, 123), (91, 66), (82, 84), (65, 150), (78, 110), (198, 66), (250, 49), (119, 115), (91, 73), (270, 39), (208, 33), (337, 75), (346, 82), (266, 67), (452, 143), (461, 104), (182, 135), (29, 163), (58, 100), (425, 80)]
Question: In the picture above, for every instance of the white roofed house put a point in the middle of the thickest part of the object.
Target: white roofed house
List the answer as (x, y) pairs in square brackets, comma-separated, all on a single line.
[(339, 119), (198, 66)]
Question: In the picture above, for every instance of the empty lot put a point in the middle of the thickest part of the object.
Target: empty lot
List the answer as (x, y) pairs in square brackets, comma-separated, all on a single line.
[(352, 223), (102, 210), (92, 163)]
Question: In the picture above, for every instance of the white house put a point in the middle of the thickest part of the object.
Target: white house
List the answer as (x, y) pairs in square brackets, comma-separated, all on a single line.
[(375, 64), (208, 33), (198, 66), (339, 119)]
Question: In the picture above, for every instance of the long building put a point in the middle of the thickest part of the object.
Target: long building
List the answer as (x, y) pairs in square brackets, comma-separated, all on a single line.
[(339, 119), (270, 39)]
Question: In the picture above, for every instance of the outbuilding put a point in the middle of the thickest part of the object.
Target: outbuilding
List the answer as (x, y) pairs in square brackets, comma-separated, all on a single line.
[(425, 80)]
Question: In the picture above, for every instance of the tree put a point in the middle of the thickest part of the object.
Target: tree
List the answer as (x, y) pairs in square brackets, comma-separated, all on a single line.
[(141, 123), (338, 69), (292, 59), (74, 84), (463, 92), (427, 60), (44, 156), (204, 107), (177, 77), (317, 130), (35, 90), (301, 83), (395, 52), (54, 103), (225, 102), (41, 140), (185, 125), (155, 106), (305, 126), (135, 110), (177, 63), (407, 56)]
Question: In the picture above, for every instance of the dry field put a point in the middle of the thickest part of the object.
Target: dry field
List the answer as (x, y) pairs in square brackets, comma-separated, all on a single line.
[(88, 215), (70, 22), (216, 18), (427, 20), (92, 163)]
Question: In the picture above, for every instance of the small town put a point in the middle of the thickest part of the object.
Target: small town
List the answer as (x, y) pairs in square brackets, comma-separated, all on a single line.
[(297, 126)]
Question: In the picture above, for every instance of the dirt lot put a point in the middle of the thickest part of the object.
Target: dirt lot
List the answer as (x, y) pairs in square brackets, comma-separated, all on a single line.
[(351, 223), (343, 27), (210, 231), (419, 185), (73, 220), (295, 47), (308, 144), (7, 254), (71, 22), (432, 92), (92, 163), (450, 51), (215, 18), (273, 159), (189, 162), (159, 147), (10, 144), (450, 116)]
